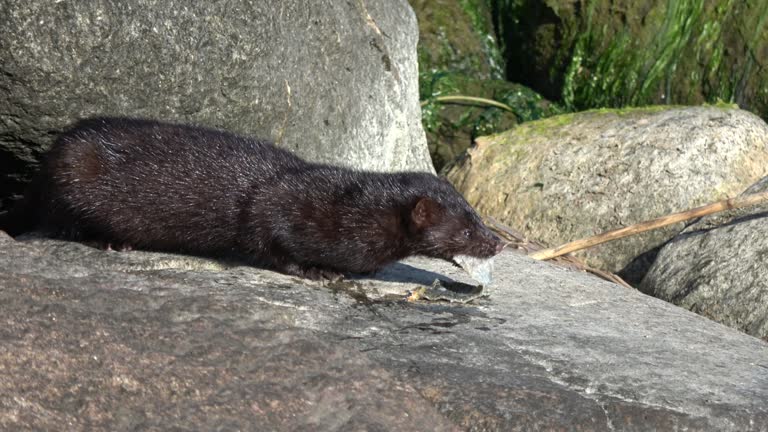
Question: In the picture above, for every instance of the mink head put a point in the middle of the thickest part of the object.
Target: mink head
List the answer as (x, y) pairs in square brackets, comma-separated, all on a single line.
[(445, 226)]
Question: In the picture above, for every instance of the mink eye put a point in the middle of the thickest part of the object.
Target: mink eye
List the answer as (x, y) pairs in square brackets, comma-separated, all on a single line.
[(467, 233)]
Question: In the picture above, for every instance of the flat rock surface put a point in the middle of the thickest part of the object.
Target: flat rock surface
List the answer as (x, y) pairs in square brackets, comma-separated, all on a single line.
[(576, 175), (135, 340), (718, 267)]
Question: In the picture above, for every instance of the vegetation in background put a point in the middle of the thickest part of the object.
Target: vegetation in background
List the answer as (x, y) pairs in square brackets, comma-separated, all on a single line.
[(451, 127), (457, 36), (459, 55), (479, 14), (615, 53), (586, 54)]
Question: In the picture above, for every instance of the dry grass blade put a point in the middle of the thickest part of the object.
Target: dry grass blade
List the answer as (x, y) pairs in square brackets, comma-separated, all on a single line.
[(470, 100), (727, 204)]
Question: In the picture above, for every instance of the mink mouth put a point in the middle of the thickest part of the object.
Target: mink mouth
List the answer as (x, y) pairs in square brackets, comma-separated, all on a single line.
[(451, 256), (488, 250)]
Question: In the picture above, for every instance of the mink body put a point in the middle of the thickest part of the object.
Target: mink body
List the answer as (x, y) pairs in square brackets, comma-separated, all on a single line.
[(167, 187)]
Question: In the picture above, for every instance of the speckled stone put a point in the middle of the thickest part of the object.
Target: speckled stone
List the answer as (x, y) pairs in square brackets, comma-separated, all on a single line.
[(97, 340), (718, 267), (334, 81), (573, 176)]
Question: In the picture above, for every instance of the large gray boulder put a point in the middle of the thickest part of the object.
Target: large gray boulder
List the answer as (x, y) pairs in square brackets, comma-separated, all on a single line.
[(576, 175), (718, 267), (96, 340), (334, 81)]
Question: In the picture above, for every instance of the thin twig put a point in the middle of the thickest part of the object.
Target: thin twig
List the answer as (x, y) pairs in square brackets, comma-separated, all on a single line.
[(517, 240), (727, 204), (472, 99)]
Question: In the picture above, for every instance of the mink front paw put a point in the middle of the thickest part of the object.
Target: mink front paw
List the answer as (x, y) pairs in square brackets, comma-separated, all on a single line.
[(313, 273), (108, 246), (316, 273), (119, 247)]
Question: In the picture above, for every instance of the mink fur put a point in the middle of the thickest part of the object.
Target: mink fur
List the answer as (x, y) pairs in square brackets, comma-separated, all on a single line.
[(167, 187)]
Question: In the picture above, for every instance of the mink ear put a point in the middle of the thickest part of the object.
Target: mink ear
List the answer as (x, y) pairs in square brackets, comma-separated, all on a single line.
[(425, 212)]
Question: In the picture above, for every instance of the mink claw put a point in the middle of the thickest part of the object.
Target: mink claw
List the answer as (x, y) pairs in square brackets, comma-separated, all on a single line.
[(121, 248), (332, 276)]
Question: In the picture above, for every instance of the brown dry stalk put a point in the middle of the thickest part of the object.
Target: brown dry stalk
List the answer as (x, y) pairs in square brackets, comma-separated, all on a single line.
[(727, 204), (517, 240), (469, 99)]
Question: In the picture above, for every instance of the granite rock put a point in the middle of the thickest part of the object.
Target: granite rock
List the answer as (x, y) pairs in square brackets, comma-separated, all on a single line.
[(718, 267), (334, 81), (123, 340), (576, 175)]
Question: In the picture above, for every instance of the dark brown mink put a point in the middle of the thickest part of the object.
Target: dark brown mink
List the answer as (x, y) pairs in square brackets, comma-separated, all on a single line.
[(168, 187)]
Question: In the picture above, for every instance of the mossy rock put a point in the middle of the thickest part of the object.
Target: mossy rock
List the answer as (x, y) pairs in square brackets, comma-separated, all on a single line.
[(576, 175), (457, 36)]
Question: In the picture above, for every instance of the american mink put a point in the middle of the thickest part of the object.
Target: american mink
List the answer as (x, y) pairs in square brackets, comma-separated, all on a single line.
[(168, 187)]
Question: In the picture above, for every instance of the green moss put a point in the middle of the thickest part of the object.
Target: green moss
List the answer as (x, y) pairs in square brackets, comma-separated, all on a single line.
[(648, 109), (547, 126), (457, 37), (478, 13), (723, 105)]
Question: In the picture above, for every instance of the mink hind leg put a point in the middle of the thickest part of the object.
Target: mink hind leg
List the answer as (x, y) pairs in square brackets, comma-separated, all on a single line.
[(280, 262), (310, 272), (63, 223), (268, 253), (88, 238)]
